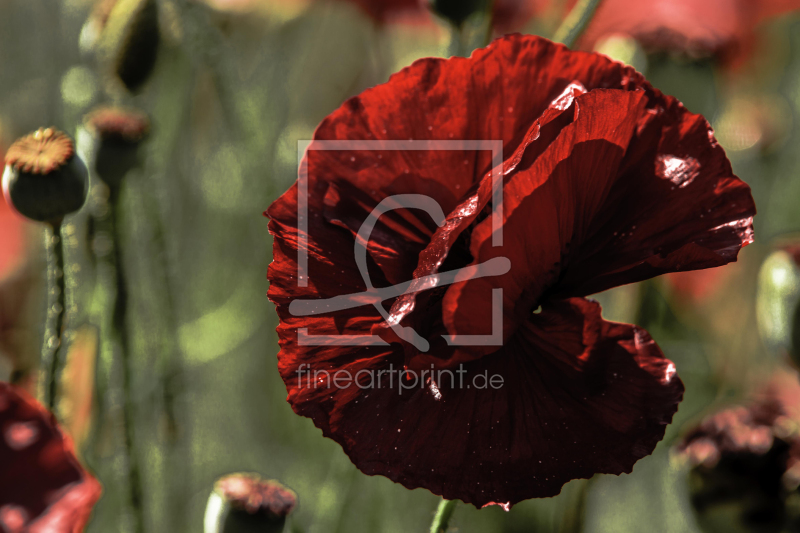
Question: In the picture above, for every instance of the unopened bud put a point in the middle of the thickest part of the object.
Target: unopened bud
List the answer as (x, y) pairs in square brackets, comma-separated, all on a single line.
[(778, 302), (129, 41)]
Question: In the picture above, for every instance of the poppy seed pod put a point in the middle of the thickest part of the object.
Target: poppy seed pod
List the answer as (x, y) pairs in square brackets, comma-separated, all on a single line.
[(116, 136), (129, 41), (245, 503), (457, 11), (44, 179)]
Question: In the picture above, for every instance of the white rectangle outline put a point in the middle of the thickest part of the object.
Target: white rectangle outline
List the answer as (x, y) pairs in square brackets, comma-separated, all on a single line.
[(303, 146)]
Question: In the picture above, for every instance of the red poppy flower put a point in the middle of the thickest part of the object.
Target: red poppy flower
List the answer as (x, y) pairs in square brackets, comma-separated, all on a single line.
[(605, 181), (712, 27), (44, 487)]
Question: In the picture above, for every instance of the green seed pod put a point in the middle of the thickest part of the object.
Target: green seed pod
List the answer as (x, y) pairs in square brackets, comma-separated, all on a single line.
[(115, 135), (245, 503), (778, 302), (128, 44), (44, 179)]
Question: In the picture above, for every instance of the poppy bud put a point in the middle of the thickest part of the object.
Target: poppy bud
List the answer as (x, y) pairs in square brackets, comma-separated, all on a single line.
[(44, 179), (129, 41), (457, 11), (116, 134), (778, 302), (93, 27), (245, 503)]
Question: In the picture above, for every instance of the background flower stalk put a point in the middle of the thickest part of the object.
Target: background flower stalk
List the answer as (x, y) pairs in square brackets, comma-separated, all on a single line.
[(45, 180)]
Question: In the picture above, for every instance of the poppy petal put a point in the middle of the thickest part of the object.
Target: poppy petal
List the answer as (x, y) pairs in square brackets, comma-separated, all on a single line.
[(44, 486), (579, 396), (547, 211), (631, 205)]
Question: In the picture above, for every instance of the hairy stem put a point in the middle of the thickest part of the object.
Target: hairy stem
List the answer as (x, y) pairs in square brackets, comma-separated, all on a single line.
[(53, 337)]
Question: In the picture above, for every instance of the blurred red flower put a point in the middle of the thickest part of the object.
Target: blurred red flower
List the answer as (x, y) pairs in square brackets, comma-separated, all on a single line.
[(44, 487), (382, 10), (745, 461), (698, 287), (513, 15), (605, 182), (12, 240), (722, 28)]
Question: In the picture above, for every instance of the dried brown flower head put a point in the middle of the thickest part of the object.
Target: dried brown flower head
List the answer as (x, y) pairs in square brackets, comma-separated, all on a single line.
[(40, 152), (44, 179), (250, 493), (118, 123)]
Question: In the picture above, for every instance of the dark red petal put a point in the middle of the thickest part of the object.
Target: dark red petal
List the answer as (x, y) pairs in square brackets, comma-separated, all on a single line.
[(547, 210), (675, 206), (44, 487), (499, 94), (432, 258), (580, 396), (584, 218)]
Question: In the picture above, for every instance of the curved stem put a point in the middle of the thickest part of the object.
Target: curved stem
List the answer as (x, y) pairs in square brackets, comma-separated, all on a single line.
[(576, 22), (118, 325), (53, 338), (443, 514)]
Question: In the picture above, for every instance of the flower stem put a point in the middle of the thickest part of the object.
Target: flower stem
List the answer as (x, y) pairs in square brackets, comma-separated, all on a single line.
[(53, 338), (119, 329), (475, 32), (576, 22), (443, 514)]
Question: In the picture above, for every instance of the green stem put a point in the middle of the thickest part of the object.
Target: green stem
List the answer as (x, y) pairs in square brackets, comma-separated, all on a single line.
[(118, 325), (53, 339), (443, 514), (576, 22), (475, 32), (458, 42)]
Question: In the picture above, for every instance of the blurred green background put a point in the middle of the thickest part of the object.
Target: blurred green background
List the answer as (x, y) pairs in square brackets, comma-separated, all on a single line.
[(232, 92)]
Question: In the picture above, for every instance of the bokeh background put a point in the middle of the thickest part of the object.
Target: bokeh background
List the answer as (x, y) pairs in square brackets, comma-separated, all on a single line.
[(236, 85)]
